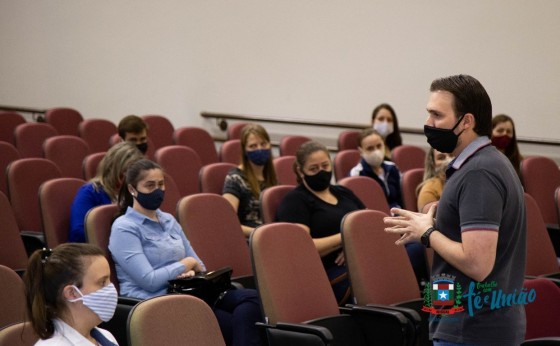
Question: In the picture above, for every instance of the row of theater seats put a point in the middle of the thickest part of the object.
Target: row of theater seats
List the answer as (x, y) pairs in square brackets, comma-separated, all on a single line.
[(380, 274)]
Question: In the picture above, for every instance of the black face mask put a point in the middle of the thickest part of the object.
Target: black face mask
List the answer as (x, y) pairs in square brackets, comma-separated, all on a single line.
[(143, 147), (443, 140), (152, 200), (320, 181)]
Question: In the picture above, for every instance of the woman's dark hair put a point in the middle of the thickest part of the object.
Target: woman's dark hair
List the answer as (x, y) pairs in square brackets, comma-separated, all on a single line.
[(48, 272), (303, 153), (394, 139), (136, 172), (512, 150), (469, 96), (269, 173)]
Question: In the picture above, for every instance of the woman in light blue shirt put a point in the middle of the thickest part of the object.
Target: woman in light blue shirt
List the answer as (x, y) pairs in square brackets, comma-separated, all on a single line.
[(150, 248)]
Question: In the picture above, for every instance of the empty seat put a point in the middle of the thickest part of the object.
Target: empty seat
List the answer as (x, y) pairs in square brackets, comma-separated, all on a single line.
[(68, 153), (284, 168), (12, 299), (199, 140), (160, 130), (8, 122), (409, 183), (29, 138), (173, 320), (213, 176), (64, 120), (541, 177), (231, 151), (290, 144), (270, 199), (183, 165), (8, 153), (12, 250), (368, 191), (172, 195), (408, 157), (20, 334), (234, 130), (55, 200), (25, 176), (348, 140), (344, 161), (543, 314), (97, 133), (91, 163)]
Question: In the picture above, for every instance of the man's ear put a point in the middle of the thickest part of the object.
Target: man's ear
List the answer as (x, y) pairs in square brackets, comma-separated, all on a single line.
[(469, 121)]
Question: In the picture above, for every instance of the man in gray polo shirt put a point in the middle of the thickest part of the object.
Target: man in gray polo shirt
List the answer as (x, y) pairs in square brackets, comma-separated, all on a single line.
[(479, 237)]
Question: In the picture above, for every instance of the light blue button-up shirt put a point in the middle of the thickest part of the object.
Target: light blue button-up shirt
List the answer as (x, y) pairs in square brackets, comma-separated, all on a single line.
[(147, 252)]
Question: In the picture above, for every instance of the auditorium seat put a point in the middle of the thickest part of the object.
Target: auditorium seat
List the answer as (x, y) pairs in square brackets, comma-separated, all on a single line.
[(8, 122), (29, 138), (199, 140), (213, 176), (290, 144), (234, 130), (348, 140), (409, 183), (344, 161), (160, 130), (97, 133), (183, 165), (284, 168), (91, 163), (408, 157), (68, 153), (8, 153), (64, 120), (12, 250), (368, 191), (270, 199), (231, 151)]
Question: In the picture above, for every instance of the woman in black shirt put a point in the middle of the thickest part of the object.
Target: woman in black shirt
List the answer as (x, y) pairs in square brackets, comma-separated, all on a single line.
[(320, 207)]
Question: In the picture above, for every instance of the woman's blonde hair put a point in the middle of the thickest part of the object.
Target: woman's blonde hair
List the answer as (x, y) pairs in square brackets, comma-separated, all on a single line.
[(112, 168)]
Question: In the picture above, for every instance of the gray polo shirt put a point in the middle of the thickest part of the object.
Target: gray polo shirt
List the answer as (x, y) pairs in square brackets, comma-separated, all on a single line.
[(483, 192)]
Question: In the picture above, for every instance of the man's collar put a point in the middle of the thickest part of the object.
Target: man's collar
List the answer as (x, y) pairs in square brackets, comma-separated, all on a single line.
[(479, 143)]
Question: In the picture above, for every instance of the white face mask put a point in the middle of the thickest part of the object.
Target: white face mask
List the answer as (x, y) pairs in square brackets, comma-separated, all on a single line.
[(384, 128), (374, 158), (102, 302)]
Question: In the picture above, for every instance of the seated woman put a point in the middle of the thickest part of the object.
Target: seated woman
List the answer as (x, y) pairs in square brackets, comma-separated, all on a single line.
[(384, 121), (103, 188), (320, 207), (434, 178), (505, 139), (243, 184), (373, 165), (68, 293), (149, 248)]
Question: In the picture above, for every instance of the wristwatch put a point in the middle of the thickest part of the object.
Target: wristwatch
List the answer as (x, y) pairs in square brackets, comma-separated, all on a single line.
[(425, 238)]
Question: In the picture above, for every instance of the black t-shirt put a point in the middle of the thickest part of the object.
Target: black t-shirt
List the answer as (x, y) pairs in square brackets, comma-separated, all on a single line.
[(322, 218)]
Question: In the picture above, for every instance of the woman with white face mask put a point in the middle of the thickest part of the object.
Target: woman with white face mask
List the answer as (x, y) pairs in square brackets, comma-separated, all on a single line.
[(384, 121), (373, 165), (68, 292)]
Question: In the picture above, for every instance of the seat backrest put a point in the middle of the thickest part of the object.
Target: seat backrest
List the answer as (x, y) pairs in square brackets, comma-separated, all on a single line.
[(183, 165), (290, 144), (97, 226), (160, 130), (409, 182), (97, 133), (21, 334), (557, 202), (68, 152), (29, 138), (344, 161), (172, 195), (284, 168), (234, 130), (408, 157), (64, 120), (8, 153), (368, 191), (199, 140), (541, 258), (213, 176), (12, 299), (270, 200), (176, 319), (91, 163), (25, 176), (12, 250), (55, 201), (543, 314), (348, 140), (213, 228), (541, 177), (231, 151), (291, 280), (379, 270), (8, 122)]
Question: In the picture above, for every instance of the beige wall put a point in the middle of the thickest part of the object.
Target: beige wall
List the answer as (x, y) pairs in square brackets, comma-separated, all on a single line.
[(331, 60)]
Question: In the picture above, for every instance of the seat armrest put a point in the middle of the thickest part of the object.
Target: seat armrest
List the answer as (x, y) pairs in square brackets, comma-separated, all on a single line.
[(296, 334)]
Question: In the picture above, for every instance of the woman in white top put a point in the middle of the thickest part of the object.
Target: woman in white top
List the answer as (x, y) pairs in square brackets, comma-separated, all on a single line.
[(68, 292)]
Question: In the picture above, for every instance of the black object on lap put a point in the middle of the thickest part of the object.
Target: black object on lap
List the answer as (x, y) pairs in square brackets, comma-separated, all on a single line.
[(207, 286)]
